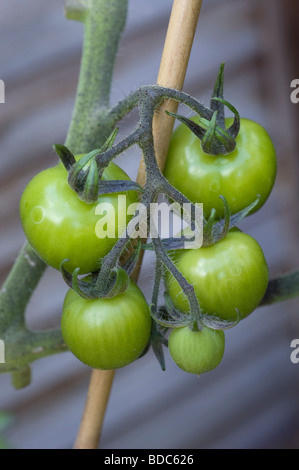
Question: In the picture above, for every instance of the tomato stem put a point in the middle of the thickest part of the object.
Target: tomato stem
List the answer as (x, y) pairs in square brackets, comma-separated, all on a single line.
[(104, 22), (218, 93), (187, 288), (282, 288), (194, 326)]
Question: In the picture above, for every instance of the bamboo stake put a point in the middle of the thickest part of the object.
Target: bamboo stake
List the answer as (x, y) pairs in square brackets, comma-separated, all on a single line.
[(172, 72), (95, 407), (174, 62)]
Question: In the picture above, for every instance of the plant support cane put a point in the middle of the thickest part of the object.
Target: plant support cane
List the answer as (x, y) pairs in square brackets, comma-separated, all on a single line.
[(174, 62), (92, 131)]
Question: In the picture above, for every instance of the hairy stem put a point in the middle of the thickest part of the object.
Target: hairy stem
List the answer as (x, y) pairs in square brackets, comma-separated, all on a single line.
[(104, 21), (90, 124), (186, 287), (18, 288), (282, 288)]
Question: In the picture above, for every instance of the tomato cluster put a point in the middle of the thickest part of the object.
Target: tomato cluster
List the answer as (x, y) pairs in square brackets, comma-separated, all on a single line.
[(229, 277), (109, 329), (102, 333)]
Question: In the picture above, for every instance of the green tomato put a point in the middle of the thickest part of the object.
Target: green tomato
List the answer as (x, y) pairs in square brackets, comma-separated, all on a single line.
[(230, 274), (240, 176), (106, 333), (196, 352), (59, 225)]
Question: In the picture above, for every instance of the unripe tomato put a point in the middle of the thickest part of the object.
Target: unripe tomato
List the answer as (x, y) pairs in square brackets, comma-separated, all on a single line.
[(240, 176), (196, 352), (106, 333), (59, 225), (230, 274)]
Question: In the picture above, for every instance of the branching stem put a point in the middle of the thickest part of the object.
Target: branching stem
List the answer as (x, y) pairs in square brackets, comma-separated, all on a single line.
[(92, 122)]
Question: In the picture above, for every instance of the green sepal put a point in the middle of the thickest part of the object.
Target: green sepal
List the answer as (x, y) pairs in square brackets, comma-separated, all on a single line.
[(221, 227), (77, 174), (197, 130), (234, 128), (215, 140), (216, 323), (130, 264), (218, 92), (168, 315), (119, 283), (118, 186), (84, 174), (208, 229), (84, 287), (167, 321), (90, 190), (65, 155), (157, 341), (110, 140), (214, 232), (226, 220), (88, 288)]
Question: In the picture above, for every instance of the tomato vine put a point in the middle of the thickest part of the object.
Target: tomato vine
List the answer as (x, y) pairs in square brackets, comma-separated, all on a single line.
[(93, 120)]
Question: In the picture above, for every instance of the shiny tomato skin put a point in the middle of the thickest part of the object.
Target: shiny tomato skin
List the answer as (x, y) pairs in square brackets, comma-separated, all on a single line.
[(230, 274), (196, 352), (106, 333), (59, 225), (240, 176)]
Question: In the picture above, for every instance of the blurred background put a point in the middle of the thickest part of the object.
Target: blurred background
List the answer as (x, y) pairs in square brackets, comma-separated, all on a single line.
[(251, 400)]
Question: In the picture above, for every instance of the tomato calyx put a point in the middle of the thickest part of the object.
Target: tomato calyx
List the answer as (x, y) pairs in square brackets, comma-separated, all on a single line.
[(215, 138), (88, 288), (92, 285), (168, 316), (157, 341), (214, 231), (84, 175)]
